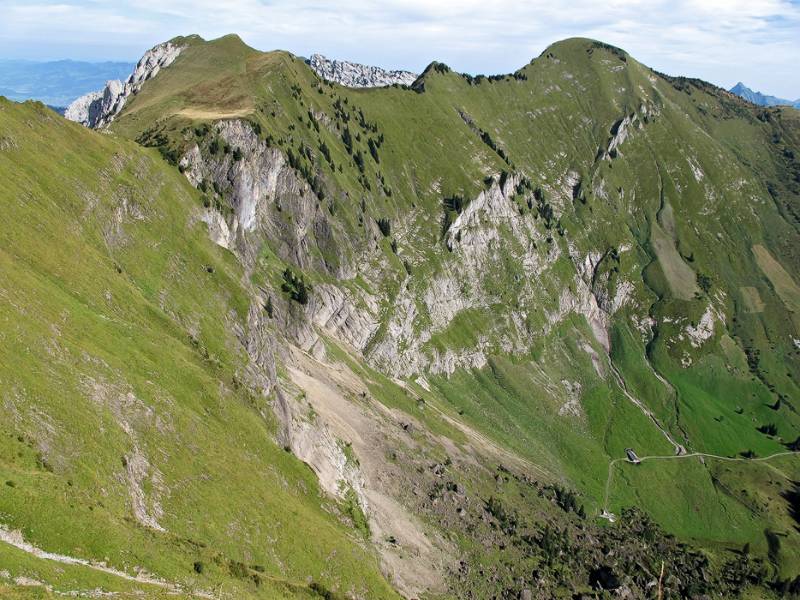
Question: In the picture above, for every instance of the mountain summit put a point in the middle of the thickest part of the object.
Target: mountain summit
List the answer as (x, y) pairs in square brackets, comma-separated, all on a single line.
[(760, 99), (529, 335), (96, 109)]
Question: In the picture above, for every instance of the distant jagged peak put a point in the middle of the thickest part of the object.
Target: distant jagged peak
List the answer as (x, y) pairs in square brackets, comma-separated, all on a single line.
[(356, 75), (740, 89), (97, 109)]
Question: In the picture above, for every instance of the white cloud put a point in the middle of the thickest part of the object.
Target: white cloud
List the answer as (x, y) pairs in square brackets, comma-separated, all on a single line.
[(757, 41)]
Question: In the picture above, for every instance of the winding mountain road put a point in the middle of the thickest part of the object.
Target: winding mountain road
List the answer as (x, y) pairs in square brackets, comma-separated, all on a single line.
[(680, 456)]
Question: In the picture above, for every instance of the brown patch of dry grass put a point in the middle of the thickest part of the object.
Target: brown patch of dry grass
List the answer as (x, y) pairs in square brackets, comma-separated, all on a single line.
[(782, 282)]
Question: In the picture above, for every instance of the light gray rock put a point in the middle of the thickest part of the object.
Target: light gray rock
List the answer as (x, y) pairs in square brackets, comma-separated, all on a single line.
[(476, 240), (336, 311), (78, 111), (356, 75), (619, 133), (265, 194), (97, 109), (270, 202)]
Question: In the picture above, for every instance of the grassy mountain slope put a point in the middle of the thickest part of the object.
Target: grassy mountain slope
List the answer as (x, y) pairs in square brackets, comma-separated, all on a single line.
[(538, 270), (107, 277)]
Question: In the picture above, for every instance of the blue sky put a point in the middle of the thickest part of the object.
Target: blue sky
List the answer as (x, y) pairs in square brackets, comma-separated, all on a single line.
[(723, 41)]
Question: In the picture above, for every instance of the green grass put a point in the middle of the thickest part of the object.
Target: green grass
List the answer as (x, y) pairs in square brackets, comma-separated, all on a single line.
[(653, 199), (120, 312), (108, 282)]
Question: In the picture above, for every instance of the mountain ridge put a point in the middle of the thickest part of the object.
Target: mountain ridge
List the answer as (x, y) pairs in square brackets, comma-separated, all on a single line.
[(352, 74), (96, 109)]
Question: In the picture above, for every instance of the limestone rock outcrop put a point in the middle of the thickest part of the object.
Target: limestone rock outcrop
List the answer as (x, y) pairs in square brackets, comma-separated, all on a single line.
[(356, 75), (97, 109)]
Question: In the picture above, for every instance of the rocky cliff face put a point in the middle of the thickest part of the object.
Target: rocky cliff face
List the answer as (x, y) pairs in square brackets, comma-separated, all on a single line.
[(268, 201), (356, 75), (271, 205), (79, 109), (97, 109)]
